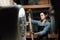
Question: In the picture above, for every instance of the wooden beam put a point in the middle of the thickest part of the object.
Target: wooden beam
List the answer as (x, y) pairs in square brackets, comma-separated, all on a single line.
[(36, 6), (31, 30)]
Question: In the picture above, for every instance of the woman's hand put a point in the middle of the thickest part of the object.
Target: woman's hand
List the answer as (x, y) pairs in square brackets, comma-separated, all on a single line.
[(31, 32), (35, 33)]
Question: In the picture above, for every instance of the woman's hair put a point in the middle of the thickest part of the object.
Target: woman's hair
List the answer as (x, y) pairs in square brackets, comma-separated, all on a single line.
[(45, 12)]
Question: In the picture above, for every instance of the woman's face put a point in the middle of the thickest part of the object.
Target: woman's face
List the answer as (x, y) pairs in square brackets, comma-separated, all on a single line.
[(42, 16)]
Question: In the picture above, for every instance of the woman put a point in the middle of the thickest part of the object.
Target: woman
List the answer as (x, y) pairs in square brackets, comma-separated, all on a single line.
[(43, 26)]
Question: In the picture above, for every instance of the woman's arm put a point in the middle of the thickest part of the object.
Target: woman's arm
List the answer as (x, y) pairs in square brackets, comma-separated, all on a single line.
[(34, 22), (45, 30)]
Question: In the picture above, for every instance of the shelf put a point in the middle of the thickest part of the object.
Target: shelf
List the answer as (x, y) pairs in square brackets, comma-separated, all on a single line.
[(37, 6)]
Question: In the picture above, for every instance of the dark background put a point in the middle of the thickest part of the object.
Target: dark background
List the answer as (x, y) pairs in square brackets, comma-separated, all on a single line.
[(56, 7), (19, 2)]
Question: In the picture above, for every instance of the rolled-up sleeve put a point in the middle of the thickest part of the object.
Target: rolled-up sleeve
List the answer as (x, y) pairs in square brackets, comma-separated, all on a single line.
[(45, 30)]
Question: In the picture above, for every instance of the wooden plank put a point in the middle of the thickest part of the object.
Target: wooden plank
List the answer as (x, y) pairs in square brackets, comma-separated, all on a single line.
[(37, 6), (31, 30)]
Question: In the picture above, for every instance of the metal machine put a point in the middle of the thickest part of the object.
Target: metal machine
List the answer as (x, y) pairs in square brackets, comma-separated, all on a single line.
[(12, 23)]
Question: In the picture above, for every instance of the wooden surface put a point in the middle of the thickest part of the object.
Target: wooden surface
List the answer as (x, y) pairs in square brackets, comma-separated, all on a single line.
[(49, 35), (37, 6), (29, 36), (31, 29), (52, 35)]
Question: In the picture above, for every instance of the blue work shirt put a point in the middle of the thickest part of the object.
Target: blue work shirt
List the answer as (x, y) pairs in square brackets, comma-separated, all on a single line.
[(45, 30)]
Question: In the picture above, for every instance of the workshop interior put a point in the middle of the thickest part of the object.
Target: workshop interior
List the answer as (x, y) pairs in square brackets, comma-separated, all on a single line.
[(11, 25)]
